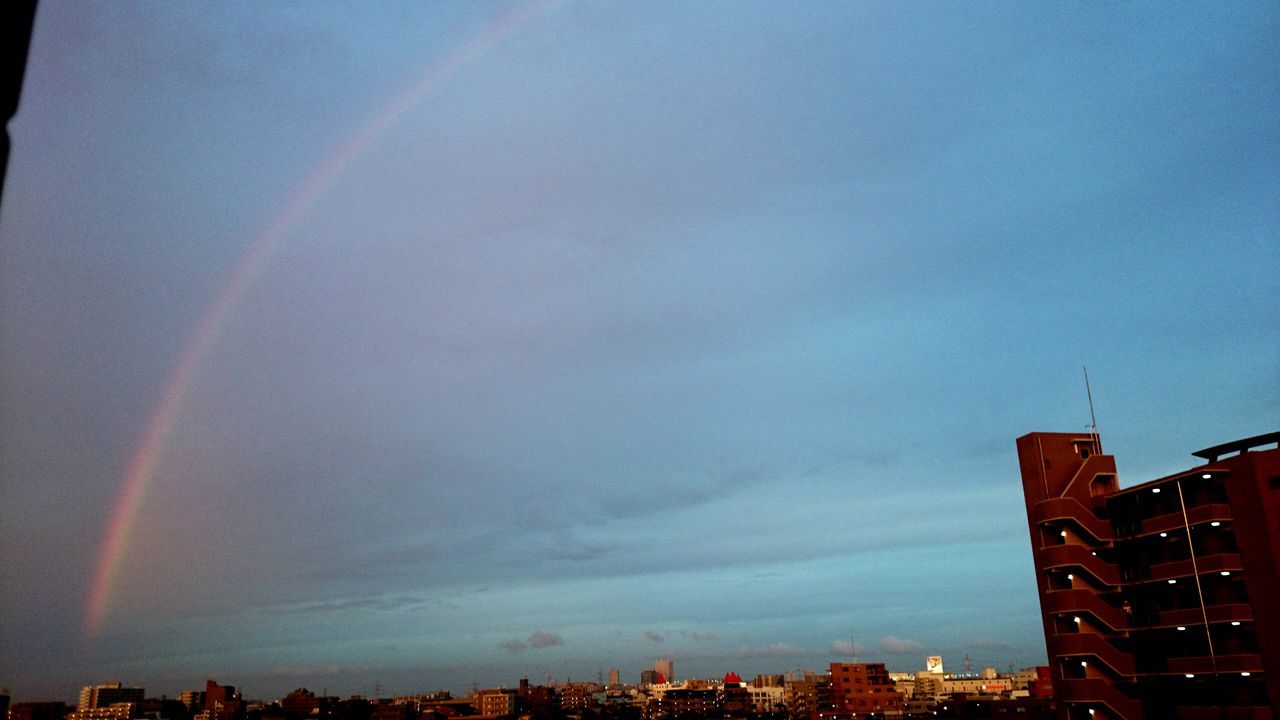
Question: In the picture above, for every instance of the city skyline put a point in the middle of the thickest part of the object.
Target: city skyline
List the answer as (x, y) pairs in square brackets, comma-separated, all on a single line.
[(469, 342), (90, 696)]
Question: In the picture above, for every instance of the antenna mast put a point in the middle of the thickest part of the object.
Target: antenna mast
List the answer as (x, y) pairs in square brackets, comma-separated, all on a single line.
[(1093, 419)]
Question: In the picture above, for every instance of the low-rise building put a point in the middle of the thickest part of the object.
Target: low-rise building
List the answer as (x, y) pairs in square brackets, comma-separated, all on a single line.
[(499, 702), (862, 689)]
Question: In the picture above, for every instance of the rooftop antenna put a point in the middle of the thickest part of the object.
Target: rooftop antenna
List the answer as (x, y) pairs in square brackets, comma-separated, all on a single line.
[(1093, 419)]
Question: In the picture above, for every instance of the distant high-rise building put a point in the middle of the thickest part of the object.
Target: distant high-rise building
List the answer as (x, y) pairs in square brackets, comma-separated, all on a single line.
[(648, 677), (222, 702), (215, 694), (107, 694), (193, 700), (666, 668), (1158, 600), (615, 677)]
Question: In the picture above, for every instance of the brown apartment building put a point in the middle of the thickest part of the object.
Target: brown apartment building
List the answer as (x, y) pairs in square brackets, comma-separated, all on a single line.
[(1160, 600), (863, 689)]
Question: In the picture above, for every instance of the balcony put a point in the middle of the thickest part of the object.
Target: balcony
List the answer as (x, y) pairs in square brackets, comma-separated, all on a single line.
[(1208, 564), (1198, 515), (1225, 713), (1095, 646), (1100, 692), (1227, 612), (1058, 556), (1071, 509), (1063, 602), (1249, 662)]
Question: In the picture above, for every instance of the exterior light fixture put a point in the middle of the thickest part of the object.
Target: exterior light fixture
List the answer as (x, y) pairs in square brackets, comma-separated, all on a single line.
[(1076, 619), (1063, 533), (1155, 491), (1173, 582), (1244, 674), (1191, 675), (1090, 711), (1164, 534), (1215, 523), (1235, 622), (1070, 576), (1084, 664), (1182, 627), (1207, 476), (1094, 553), (1225, 573)]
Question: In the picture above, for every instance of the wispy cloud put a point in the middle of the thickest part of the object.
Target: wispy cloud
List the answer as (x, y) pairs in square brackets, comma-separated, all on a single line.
[(774, 650), (987, 644), (848, 647), (381, 603), (544, 639), (310, 671), (897, 646), (653, 636), (538, 640)]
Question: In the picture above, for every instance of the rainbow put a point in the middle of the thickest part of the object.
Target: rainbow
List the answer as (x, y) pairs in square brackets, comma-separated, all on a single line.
[(140, 471)]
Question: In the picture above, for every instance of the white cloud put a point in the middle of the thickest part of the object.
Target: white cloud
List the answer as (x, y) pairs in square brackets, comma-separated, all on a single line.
[(897, 646), (847, 647)]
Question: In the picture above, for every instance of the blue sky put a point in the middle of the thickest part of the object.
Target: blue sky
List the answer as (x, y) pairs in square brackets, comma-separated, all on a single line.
[(699, 331)]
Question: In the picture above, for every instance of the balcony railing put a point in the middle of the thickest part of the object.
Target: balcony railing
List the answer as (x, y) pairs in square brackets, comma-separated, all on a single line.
[(1100, 692), (1096, 646), (1203, 665), (1071, 509), (1062, 602), (1227, 612), (1197, 515), (1220, 562), (1059, 556)]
